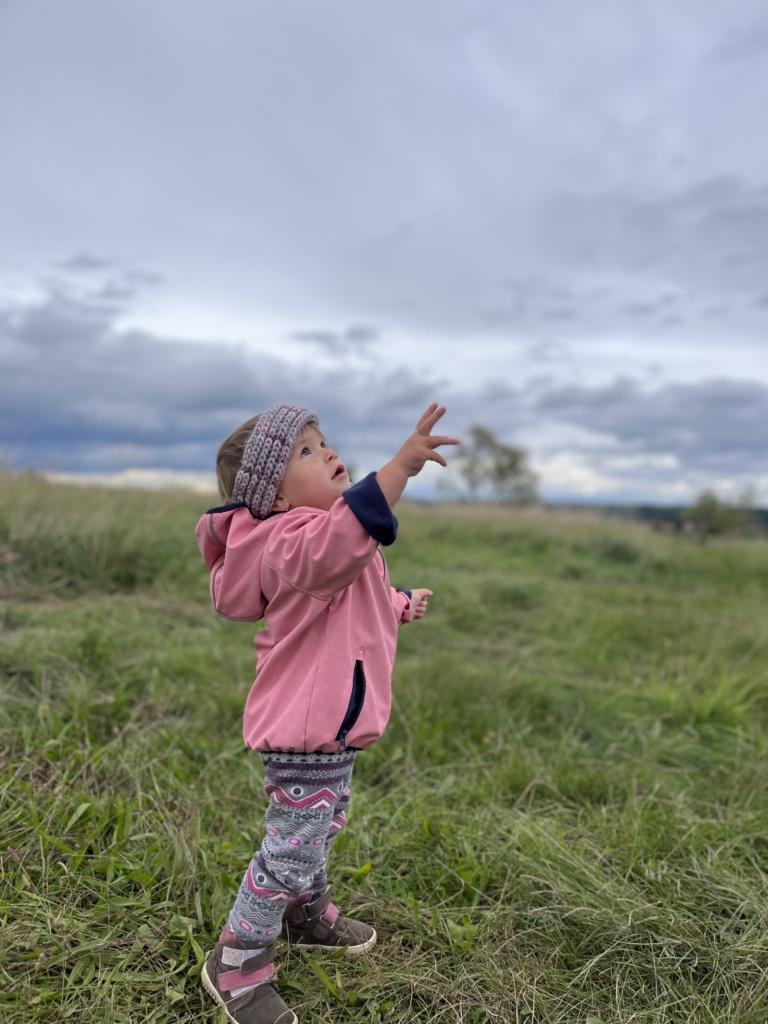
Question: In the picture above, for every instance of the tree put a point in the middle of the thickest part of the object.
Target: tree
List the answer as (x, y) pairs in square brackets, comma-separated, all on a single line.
[(710, 515), (485, 463)]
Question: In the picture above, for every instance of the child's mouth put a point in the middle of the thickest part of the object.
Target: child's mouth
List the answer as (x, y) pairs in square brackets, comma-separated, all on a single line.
[(340, 471)]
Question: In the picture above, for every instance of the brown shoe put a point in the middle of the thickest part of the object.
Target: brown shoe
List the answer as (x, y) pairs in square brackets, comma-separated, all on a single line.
[(318, 924), (244, 985)]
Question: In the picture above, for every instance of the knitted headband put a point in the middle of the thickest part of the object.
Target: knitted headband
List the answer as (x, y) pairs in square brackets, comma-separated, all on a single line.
[(266, 455)]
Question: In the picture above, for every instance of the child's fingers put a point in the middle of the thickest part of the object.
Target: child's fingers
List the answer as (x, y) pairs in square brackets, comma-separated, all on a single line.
[(433, 443), (430, 418), (430, 412)]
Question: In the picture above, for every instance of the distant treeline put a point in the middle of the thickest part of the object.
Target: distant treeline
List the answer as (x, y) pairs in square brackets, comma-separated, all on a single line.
[(654, 513)]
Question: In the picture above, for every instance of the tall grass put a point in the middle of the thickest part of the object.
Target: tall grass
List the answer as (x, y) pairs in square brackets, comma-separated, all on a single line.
[(566, 820)]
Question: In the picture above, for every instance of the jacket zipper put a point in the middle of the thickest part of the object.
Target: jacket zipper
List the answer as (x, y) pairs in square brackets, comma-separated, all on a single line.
[(355, 705)]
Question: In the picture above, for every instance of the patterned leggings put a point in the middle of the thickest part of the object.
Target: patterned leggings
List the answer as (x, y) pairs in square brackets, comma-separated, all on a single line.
[(308, 796)]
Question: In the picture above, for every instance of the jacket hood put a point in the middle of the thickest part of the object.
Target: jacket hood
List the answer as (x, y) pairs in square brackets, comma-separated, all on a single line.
[(231, 543)]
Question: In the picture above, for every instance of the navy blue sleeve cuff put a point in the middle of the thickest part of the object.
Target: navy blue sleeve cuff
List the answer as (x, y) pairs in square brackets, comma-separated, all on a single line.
[(370, 506), (404, 590)]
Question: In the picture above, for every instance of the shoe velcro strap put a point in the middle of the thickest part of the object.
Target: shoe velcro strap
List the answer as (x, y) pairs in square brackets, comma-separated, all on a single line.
[(229, 981), (260, 958), (322, 930), (308, 912)]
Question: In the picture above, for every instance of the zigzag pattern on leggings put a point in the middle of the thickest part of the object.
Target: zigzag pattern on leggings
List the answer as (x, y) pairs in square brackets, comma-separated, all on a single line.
[(306, 813)]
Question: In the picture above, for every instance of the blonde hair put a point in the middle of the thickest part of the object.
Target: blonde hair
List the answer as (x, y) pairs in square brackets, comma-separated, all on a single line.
[(230, 456)]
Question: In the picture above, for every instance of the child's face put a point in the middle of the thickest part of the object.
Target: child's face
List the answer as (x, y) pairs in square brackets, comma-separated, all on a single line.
[(314, 477)]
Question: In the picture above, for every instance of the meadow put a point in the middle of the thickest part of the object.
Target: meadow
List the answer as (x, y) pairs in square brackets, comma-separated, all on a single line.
[(565, 822)]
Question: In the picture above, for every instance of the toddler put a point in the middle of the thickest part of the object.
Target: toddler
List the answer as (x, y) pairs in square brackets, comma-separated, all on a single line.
[(298, 545)]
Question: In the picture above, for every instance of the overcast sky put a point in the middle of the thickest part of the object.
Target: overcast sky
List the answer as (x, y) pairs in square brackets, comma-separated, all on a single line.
[(551, 217)]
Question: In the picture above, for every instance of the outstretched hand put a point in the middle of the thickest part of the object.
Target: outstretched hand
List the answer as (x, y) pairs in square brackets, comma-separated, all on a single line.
[(420, 446), (409, 461)]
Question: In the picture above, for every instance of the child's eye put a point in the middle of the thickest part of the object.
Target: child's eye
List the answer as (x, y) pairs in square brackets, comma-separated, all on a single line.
[(305, 451)]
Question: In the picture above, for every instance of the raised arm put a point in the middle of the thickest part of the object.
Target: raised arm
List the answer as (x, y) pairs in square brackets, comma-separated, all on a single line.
[(410, 460)]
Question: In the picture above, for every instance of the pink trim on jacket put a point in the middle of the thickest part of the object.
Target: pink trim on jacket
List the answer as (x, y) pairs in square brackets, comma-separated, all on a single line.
[(321, 584)]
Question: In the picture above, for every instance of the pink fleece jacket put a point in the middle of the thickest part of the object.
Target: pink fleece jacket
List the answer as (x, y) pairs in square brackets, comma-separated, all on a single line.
[(324, 661)]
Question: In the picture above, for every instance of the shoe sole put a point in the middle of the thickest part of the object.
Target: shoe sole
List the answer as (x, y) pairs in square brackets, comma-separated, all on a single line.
[(363, 947), (210, 988)]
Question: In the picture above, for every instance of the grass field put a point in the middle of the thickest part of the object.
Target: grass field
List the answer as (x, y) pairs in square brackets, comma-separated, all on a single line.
[(566, 821)]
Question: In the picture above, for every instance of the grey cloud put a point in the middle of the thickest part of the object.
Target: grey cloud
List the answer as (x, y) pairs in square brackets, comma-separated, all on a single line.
[(661, 310), (85, 292), (469, 173), (548, 351), (81, 394), (714, 425), (355, 337), (92, 271), (403, 177), (665, 258), (84, 263), (560, 314), (641, 309), (743, 45), (528, 302), (716, 312), (690, 257), (55, 321), (360, 334), (690, 238)]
